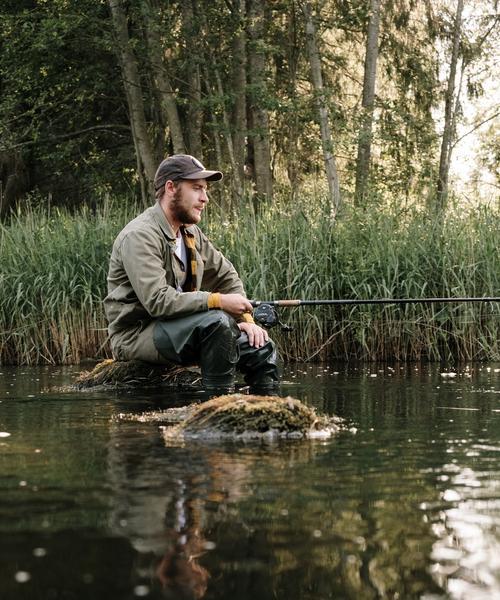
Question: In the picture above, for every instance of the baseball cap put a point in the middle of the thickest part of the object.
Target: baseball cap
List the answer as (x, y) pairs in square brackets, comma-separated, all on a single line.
[(183, 166)]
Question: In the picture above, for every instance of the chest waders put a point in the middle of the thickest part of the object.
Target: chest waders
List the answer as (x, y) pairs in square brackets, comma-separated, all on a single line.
[(213, 340)]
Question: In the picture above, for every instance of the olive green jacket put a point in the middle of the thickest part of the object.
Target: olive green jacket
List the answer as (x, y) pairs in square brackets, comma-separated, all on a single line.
[(144, 274)]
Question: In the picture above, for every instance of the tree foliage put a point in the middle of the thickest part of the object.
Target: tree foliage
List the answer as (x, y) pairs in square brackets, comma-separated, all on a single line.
[(227, 80), (63, 115)]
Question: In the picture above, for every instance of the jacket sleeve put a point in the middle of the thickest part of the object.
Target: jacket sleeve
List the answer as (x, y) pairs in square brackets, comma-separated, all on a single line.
[(219, 275), (144, 264)]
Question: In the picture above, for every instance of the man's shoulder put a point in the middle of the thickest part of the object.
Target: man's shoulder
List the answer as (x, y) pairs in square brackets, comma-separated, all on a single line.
[(145, 223)]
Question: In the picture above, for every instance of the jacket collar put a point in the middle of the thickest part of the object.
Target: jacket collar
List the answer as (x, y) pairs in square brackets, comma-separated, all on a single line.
[(161, 219)]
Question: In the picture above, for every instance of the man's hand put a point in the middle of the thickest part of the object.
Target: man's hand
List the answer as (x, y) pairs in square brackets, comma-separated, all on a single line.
[(235, 304), (257, 336)]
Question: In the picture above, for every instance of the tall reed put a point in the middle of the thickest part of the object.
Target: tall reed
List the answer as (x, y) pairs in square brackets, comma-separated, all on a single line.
[(53, 268), (297, 252), (52, 280)]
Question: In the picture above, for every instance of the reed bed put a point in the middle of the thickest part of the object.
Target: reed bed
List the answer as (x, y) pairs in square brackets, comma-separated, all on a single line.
[(52, 281), (53, 268)]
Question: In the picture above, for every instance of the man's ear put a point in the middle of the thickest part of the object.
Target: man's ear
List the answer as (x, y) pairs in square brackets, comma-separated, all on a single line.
[(170, 186)]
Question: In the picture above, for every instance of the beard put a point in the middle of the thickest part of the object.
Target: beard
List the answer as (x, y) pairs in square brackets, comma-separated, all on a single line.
[(180, 213)]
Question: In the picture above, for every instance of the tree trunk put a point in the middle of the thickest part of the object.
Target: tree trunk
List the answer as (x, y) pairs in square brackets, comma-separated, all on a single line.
[(14, 180), (445, 156), (193, 77), (132, 85), (239, 91), (293, 129), (226, 128), (323, 113), (236, 183), (168, 104), (218, 194), (259, 133), (216, 128), (370, 77)]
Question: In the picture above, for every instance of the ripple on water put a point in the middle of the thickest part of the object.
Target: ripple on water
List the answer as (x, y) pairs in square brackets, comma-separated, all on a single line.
[(466, 554)]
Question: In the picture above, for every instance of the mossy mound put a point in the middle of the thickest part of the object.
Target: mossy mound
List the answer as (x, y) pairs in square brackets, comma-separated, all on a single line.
[(135, 373), (239, 416)]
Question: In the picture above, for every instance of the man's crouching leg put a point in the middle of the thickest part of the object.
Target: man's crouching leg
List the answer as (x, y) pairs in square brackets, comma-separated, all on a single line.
[(209, 339), (259, 366)]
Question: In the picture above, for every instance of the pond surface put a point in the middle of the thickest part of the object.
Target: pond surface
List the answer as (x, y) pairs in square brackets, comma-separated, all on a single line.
[(408, 506)]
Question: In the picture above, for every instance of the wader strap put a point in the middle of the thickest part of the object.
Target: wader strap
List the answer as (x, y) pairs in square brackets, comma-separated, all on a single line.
[(190, 243)]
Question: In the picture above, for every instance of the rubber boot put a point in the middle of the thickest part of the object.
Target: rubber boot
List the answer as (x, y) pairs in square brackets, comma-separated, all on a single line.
[(259, 367)]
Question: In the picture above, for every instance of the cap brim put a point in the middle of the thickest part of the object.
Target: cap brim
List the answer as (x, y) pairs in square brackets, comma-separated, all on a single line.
[(208, 175)]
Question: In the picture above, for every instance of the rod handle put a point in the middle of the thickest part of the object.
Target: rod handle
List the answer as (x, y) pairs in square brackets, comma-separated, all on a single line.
[(276, 302)]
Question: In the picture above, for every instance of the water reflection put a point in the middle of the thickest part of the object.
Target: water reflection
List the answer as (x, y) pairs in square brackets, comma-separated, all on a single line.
[(179, 571), (408, 507), (177, 505), (301, 518), (466, 555)]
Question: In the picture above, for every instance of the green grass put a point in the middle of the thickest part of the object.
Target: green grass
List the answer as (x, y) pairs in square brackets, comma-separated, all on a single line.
[(54, 264)]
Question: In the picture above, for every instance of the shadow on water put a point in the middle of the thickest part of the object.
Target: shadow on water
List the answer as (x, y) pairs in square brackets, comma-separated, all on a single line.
[(406, 507)]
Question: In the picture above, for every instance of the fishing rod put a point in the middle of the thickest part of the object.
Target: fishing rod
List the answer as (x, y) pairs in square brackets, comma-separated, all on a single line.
[(265, 312)]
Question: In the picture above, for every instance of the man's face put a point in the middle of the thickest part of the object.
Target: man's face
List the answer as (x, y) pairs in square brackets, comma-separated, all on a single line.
[(189, 201)]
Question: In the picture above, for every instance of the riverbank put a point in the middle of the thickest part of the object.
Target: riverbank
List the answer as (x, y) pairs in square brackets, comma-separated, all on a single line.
[(54, 264)]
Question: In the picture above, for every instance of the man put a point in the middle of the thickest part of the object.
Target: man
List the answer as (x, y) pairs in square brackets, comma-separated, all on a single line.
[(173, 297)]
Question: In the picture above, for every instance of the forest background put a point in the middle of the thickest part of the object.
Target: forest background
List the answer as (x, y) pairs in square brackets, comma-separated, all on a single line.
[(359, 141)]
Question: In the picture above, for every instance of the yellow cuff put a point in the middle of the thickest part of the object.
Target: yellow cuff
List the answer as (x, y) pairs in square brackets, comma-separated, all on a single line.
[(214, 301), (247, 318)]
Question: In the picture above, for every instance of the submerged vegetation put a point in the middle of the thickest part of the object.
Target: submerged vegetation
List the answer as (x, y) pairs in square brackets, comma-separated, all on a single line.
[(54, 264)]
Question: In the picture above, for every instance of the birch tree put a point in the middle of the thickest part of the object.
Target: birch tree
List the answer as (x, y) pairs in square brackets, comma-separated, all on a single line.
[(168, 102), (446, 141), (322, 108), (259, 127), (239, 85), (369, 81), (192, 74), (218, 98), (133, 92)]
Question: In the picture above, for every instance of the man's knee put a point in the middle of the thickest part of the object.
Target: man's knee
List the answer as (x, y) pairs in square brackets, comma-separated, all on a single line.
[(266, 351), (254, 360), (189, 338), (219, 319), (218, 326)]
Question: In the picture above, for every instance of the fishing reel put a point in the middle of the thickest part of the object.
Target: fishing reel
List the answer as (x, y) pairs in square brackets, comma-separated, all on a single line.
[(267, 316)]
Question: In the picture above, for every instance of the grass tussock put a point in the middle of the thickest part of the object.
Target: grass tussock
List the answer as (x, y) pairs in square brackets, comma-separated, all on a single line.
[(53, 267), (248, 416)]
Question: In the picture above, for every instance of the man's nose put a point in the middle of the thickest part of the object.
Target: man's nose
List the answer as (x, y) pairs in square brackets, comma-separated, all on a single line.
[(204, 195)]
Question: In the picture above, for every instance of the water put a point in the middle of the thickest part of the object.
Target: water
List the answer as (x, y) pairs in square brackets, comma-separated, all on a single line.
[(406, 507)]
